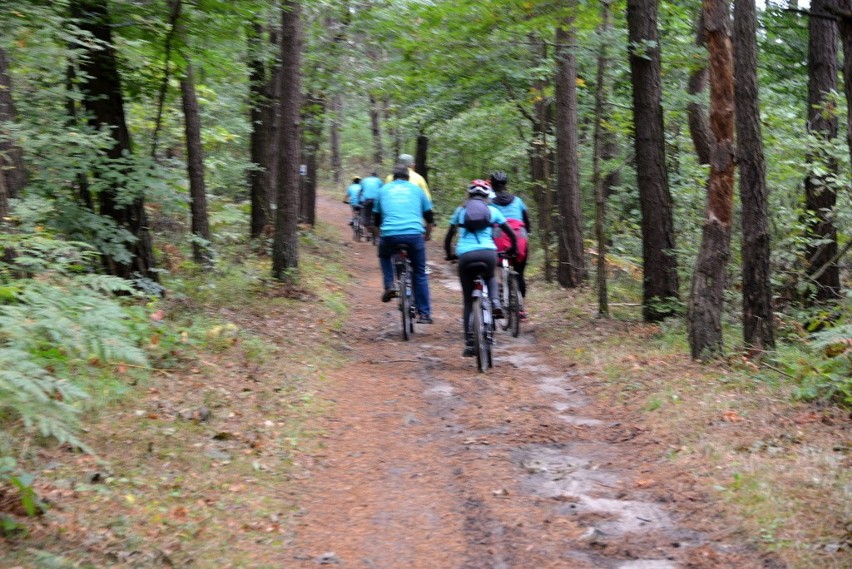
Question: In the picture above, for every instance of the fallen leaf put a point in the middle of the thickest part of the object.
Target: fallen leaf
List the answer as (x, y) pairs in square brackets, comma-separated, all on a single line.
[(731, 417)]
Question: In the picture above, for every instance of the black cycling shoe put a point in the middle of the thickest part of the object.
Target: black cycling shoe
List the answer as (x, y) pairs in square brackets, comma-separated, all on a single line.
[(388, 294), (468, 351), (497, 311), (424, 319)]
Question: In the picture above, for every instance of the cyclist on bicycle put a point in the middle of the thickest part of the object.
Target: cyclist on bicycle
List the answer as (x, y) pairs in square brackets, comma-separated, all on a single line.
[(399, 212), (474, 220), (517, 215), (370, 187), (353, 198)]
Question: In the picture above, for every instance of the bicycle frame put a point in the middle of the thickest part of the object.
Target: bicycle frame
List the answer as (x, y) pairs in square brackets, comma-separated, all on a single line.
[(404, 276)]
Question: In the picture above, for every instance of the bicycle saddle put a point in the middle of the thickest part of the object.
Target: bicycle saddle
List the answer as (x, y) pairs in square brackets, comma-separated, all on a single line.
[(477, 268)]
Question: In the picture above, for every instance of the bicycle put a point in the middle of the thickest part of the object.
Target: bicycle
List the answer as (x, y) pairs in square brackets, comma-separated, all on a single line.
[(482, 320), (510, 296), (404, 274), (357, 227)]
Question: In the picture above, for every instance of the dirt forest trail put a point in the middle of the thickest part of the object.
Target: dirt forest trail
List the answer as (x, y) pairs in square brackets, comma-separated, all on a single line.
[(428, 464)]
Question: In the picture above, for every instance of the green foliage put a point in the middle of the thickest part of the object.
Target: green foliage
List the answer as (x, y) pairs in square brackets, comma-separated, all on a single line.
[(825, 369), (21, 482), (56, 329)]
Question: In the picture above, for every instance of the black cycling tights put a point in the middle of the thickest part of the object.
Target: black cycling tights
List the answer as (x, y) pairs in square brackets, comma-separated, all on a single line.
[(487, 256)]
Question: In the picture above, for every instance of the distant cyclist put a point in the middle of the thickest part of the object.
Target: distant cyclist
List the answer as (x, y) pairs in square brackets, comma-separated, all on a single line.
[(518, 217), (475, 219), (353, 197), (370, 187), (399, 212)]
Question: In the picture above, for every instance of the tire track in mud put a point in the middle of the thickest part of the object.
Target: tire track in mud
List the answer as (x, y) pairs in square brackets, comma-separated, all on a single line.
[(428, 463)]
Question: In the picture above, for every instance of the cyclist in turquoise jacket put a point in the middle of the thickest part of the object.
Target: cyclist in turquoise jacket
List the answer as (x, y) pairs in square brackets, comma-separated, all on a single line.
[(476, 247), (399, 212), (353, 197)]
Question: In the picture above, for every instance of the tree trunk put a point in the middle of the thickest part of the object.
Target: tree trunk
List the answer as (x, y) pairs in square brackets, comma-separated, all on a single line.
[(393, 129), (195, 169), (846, 38), (285, 247), (820, 193), (11, 155), (258, 178), (103, 100), (334, 137), (375, 127), (699, 127), (601, 114), (571, 270), (312, 119), (758, 319), (660, 282), (421, 154), (706, 300)]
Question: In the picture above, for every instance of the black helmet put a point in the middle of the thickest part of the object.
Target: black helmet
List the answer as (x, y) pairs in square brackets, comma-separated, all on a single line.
[(499, 178), (356, 179)]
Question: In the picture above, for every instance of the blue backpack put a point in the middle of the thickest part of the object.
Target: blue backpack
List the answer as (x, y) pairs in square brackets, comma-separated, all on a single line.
[(477, 216)]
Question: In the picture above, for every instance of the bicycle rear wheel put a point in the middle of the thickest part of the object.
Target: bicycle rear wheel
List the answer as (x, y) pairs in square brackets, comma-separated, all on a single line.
[(505, 291), (405, 307), (514, 309), (477, 328)]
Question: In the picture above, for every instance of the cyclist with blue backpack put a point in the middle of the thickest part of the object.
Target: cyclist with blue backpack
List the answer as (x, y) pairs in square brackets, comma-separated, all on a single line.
[(474, 220), (370, 187)]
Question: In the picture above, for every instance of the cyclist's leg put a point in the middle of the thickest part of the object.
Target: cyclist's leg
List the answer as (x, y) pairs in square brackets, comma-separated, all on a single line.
[(417, 254), (520, 267), (466, 279), (386, 249)]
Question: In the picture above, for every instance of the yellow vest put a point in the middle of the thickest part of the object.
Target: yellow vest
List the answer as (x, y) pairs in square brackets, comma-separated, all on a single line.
[(415, 179)]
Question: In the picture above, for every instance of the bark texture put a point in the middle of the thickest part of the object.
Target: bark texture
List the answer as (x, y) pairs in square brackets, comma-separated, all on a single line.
[(313, 111), (571, 270), (820, 196), (660, 281), (334, 137), (376, 129), (259, 142), (103, 100), (706, 300), (421, 155), (758, 319), (285, 247), (696, 112), (195, 169), (11, 156), (601, 112)]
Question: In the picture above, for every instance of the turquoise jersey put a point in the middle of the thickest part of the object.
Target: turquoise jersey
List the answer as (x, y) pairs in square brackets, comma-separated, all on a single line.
[(401, 205), (353, 193), (371, 186), (475, 240), (514, 210)]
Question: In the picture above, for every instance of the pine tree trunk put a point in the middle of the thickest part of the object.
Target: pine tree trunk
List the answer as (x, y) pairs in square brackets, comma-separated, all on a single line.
[(846, 38), (571, 270), (706, 301), (421, 154), (699, 127), (258, 178), (660, 281), (758, 319), (540, 152), (334, 138), (11, 156), (376, 129), (601, 112), (103, 100), (312, 119), (195, 169), (285, 247), (820, 194)]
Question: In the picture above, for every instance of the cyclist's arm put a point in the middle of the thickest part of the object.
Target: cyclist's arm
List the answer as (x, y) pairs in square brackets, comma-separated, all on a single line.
[(429, 217), (527, 222), (448, 240)]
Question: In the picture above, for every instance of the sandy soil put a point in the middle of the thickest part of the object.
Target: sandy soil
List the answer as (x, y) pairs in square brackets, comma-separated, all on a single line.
[(427, 463)]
